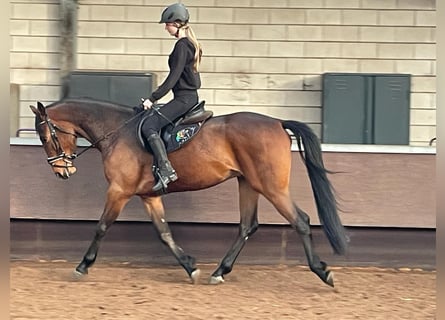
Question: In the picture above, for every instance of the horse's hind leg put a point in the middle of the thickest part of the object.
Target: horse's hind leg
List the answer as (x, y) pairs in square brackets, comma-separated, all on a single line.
[(113, 207), (155, 209), (316, 265), (300, 221), (248, 201)]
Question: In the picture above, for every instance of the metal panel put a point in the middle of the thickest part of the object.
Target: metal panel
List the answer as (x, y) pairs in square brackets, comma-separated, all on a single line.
[(84, 85), (118, 87), (366, 108), (344, 109), (391, 110)]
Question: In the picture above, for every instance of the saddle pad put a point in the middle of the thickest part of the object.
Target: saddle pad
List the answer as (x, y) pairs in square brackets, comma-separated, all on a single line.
[(173, 137), (180, 135)]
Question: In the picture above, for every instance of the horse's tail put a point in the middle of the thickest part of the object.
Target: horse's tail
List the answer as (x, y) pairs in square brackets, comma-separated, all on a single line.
[(321, 186)]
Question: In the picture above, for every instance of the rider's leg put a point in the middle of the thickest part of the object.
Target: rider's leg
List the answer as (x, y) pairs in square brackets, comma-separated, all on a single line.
[(166, 171), (169, 112)]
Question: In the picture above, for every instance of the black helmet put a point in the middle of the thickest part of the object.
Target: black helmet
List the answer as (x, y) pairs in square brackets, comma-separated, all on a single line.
[(175, 12)]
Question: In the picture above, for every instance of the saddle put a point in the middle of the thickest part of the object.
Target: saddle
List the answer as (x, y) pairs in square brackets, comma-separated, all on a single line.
[(182, 130)]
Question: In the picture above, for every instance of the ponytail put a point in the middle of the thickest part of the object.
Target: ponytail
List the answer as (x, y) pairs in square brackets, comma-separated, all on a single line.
[(198, 50)]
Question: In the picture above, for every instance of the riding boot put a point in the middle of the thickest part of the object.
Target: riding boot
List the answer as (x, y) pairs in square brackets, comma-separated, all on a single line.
[(166, 173)]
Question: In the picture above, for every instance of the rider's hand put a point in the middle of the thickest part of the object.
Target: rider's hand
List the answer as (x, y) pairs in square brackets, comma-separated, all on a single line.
[(147, 104)]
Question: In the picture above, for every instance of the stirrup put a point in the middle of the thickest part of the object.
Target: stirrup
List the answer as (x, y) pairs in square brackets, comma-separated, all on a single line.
[(163, 181)]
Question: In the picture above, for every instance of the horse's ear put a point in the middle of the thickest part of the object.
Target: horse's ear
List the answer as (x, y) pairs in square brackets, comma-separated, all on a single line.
[(39, 111), (41, 108), (34, 110)]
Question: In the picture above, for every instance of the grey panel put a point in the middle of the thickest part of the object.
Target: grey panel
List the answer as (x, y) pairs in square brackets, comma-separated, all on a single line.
[(119, 87), (391, 110), (129, 90), (366, 108), (344, 108), (89, 86)]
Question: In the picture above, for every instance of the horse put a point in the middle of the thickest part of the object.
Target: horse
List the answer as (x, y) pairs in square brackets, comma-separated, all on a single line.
[(251, 147)]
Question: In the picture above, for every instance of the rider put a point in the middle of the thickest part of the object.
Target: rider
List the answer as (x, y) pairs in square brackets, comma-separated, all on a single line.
[(183, 80)]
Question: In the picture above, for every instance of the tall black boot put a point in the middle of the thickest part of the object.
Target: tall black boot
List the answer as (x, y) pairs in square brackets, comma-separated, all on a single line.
[(166, 172)]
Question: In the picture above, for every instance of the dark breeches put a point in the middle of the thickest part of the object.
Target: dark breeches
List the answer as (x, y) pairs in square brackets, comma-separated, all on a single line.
[(171, 110)]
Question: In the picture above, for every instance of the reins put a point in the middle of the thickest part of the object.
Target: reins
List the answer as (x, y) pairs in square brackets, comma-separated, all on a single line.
[(69, 157), (105, 136)]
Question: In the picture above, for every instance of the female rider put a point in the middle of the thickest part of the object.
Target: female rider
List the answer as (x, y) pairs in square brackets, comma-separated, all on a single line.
[(183, 79)]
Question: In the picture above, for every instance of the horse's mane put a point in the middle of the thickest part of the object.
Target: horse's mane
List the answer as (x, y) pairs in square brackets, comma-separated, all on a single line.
[(90, 101), (93, 105)]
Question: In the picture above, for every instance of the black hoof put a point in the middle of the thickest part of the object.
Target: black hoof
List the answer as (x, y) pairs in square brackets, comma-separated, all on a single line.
[(81, 272), (77, 275), (81, 269), (324, 274)]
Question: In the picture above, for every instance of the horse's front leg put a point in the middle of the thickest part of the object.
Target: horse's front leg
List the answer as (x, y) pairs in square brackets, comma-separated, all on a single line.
[(156, 212), (113, 207)]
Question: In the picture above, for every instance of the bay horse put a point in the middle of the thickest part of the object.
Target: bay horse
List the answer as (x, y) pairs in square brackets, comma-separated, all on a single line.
[(254, 148)]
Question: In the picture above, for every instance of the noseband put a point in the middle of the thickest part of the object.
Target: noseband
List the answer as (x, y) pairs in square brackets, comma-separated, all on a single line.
[(67, 158)]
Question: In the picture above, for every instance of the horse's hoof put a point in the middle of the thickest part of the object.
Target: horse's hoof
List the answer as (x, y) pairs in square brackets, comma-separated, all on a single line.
[(77, 275), (216, 280), (330, 278), (195, 276)]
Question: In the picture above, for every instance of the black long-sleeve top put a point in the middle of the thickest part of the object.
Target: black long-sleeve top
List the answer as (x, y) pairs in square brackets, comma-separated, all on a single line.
[(182, 78)]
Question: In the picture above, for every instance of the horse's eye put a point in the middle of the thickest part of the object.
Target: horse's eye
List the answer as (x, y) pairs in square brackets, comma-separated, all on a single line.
[(43, 139)]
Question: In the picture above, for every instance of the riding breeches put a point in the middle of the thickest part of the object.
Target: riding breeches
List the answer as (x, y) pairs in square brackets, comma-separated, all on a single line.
[(170, 112)]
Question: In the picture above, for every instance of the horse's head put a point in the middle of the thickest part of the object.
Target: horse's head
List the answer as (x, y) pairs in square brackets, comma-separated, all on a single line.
[(59, 142)]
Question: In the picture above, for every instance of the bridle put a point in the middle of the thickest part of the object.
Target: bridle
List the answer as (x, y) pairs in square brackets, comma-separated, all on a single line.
[(67, 158)]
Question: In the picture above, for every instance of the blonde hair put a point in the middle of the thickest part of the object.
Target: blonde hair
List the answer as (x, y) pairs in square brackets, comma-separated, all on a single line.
[(190, 34)]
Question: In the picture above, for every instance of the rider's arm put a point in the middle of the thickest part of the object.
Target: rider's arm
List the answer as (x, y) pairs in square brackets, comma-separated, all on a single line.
[(177, 63)]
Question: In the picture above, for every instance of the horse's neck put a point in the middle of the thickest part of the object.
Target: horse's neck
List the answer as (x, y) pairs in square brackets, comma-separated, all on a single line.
[(90, 121)]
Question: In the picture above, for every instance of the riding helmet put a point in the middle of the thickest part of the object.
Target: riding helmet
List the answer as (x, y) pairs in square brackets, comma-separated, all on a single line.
[(175, 12)]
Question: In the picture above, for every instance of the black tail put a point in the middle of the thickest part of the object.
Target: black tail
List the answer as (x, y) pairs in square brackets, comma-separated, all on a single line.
[(321, 186)]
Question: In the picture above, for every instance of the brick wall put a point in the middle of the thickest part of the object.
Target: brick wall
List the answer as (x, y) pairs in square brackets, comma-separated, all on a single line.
[(261, 56)]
